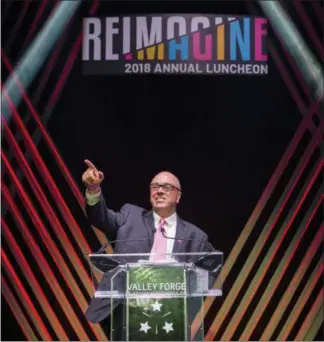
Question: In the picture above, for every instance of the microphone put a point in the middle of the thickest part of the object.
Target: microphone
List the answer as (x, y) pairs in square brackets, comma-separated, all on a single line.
[(207, 262), (205, 241), (102, 248)]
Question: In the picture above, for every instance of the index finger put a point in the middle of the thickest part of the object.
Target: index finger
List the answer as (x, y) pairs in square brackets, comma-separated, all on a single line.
[(90, 165)]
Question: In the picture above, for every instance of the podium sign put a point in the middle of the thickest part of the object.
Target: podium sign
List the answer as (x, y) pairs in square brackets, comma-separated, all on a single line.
[(152, 315), (156, 301)]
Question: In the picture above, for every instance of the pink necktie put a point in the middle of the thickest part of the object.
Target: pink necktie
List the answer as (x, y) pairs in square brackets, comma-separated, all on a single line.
[(160, 242)]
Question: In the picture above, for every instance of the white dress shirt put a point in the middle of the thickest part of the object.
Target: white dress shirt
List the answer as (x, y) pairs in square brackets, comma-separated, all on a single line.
[(170, 227)]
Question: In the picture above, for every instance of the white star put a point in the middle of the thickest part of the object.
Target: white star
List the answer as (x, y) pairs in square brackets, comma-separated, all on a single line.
[(168, 327), (145, 327), (156, 306)]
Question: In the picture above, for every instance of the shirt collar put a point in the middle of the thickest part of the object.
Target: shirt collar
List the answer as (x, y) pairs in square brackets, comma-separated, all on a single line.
[(171, 220)]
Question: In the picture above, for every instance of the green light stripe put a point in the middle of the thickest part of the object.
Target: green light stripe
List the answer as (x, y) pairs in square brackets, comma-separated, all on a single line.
[(232, 325), (316, 307), (17, 312), (290, 291), (241, 278), (284, 263), (24, 298), (302, 300), (248, 228), (316, 326)]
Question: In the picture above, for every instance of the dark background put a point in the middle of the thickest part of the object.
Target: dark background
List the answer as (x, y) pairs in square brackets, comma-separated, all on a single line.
[(223, 136)]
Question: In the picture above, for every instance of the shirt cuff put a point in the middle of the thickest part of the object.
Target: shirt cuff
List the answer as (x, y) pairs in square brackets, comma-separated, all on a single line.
[(93, 199)]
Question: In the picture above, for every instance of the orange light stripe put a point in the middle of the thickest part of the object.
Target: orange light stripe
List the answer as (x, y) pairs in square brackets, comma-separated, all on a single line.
[(50, 214), (48, 242), (24, 298), (49, 181), (291, 289), (286, 259), (304, 297), (53, 250), (230, 261), (17, 312), (45, 268), (257, 250), (101, 237), (68, 65), (50, 245), (29, 275), (265, 265), (299, 305), (316, 326), (316, 307)]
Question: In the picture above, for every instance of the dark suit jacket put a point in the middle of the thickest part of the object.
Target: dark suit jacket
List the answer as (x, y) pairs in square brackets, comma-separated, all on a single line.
[(135, 223)]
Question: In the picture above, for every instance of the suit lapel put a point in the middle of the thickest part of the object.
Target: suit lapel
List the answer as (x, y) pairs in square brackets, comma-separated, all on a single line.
[(181, 233), (149, 223)]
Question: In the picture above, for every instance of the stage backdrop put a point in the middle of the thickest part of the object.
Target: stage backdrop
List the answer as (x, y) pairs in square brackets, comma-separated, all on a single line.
[(245, 147)]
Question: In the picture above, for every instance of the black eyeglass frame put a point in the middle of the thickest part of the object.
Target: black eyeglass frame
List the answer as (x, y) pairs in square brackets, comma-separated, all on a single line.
[(165, 186)]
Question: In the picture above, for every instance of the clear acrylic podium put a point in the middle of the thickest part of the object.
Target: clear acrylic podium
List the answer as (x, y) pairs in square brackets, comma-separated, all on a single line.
[(156, 300)]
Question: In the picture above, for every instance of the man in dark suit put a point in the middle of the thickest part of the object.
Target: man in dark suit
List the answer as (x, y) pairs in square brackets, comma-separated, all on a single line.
[(135, 223)]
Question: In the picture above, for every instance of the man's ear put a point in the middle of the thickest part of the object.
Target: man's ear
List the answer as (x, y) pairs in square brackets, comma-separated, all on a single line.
[(178, 198)]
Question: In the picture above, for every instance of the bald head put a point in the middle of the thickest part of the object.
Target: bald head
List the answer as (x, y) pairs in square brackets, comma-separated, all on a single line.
[(165, 193), (167, 177)]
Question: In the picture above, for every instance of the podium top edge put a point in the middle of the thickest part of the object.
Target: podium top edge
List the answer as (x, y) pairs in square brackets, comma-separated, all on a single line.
[(150, 254)]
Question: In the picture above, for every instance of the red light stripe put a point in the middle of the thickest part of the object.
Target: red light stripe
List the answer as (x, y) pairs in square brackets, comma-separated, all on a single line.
[(76, 231), (60, 233), (311, 32), (290, 291), (307, 292), (316, 307), (66, 70), (34, 25), (17, 312), (48, 242), (256, 252), (290, 84), (70, 61), (44, 267), (319, 11), (16, 26), (257, 212), (295, 68), (29, 275), (284, 73), (51, 63), (24, 298), (265, 299), (49, 141), (59, 86)]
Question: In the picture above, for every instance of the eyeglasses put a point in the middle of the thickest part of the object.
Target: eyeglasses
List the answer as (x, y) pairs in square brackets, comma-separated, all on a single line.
[(166, 187)]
